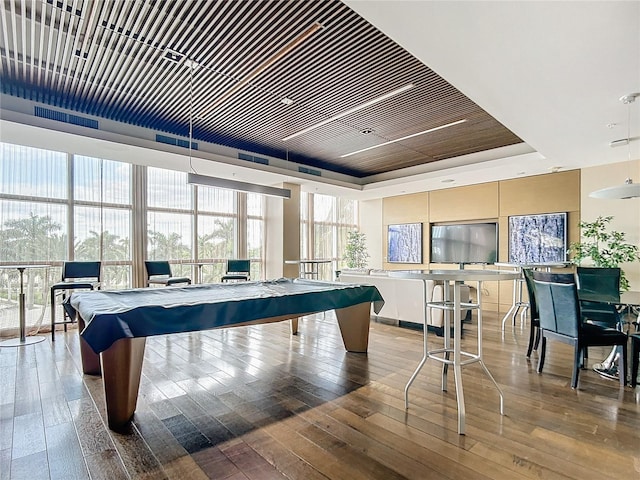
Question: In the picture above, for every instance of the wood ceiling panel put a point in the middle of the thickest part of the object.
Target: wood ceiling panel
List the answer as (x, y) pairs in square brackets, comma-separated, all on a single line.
[(108, 58)]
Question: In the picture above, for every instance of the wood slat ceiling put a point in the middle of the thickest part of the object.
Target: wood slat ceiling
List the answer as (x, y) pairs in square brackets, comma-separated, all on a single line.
[(108, 58)]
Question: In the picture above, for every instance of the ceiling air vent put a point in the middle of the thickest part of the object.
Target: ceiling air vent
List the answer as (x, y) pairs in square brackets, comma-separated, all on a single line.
[(310, 171), (251, 158), (175, 141), (65, 117)]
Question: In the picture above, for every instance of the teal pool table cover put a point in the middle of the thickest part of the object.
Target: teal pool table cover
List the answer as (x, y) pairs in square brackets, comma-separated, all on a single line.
[(143, 312)]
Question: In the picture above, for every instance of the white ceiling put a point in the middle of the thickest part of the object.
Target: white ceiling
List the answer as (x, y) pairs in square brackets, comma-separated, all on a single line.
[(551, 72)]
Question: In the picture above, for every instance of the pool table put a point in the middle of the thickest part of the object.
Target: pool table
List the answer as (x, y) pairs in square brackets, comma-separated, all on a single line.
[(113, 325)]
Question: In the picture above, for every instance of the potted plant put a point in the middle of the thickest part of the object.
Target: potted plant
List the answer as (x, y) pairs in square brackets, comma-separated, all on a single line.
[(355, 252), (605, 248)]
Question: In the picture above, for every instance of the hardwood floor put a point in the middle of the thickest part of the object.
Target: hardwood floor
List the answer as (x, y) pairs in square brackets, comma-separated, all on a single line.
[(256, 403)]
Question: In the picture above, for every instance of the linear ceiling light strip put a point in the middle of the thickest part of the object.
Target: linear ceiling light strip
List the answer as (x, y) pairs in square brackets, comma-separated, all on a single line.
[(263, 66), (405, 138), (205, 180), (351, 110)]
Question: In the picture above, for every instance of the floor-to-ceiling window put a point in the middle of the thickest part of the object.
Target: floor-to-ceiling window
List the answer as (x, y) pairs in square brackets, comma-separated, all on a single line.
[(255, 234), (102, 209), (225, 223), (218, 221), (56, 206), (325, 222), (34, 212), (170, 219)]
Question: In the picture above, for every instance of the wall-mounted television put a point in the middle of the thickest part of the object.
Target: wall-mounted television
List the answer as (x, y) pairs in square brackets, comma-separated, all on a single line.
[(404, 243), (538, 238), (464, 243)]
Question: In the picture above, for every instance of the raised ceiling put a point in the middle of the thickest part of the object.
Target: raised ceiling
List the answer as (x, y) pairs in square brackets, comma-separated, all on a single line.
[(132, 62)]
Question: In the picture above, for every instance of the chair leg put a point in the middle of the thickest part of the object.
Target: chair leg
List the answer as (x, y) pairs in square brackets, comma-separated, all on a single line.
[(532, 339), (64, 314), (635, 360), (538, 335), (622, 364), (53, 315), (585, 356), (543, 351), (577, 354)]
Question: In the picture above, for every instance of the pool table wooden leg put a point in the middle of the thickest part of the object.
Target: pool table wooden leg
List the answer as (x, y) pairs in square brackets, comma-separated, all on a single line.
[(294, 325), (354, 326), (90, 359), (121, 370)]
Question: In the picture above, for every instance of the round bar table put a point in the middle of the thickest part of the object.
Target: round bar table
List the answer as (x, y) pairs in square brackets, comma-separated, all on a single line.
[(449, 305), (308, 268), (198, 270), (23, 340)]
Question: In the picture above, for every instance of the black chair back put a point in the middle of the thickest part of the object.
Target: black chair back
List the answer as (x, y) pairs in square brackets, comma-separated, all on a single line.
[(557, 302), (81, 270), (238, 266), (155, 268), (75, 276), (604, 282)]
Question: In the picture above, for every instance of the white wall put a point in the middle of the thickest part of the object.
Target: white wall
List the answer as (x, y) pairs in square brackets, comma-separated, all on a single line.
[(370, 213), (626, 213)]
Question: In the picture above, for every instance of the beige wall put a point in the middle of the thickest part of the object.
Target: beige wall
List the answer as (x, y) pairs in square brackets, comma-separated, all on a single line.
[(493, 201), (626, 213), (282, 240), (370, 221)]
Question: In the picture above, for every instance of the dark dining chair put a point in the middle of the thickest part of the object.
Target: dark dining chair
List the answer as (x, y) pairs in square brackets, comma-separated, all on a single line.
[(603, 283), (635, 357), (237, 270), (534, 331), (561, 319), (75, 276), (159, 273)]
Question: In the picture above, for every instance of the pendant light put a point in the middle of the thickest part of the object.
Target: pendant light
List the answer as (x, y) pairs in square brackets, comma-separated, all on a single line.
[(628, 189)]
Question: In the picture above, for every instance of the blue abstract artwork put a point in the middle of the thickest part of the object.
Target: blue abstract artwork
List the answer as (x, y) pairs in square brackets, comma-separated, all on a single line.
[(538, 238), (405, 243)]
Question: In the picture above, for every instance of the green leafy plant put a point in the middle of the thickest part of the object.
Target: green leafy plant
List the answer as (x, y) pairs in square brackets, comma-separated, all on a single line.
[(605, 248), (355, 252)]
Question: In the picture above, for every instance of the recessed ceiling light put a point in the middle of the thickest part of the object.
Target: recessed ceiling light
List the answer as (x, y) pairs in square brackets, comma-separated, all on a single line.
[(448, 180), (521, 173), (172, 55), (351, 110), (366, 131), (286, 101), (619, 143)]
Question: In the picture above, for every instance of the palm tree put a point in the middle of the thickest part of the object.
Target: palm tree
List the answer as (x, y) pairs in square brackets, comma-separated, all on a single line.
[(106, 247), (167, 247), (218, 243), (31, 239)]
